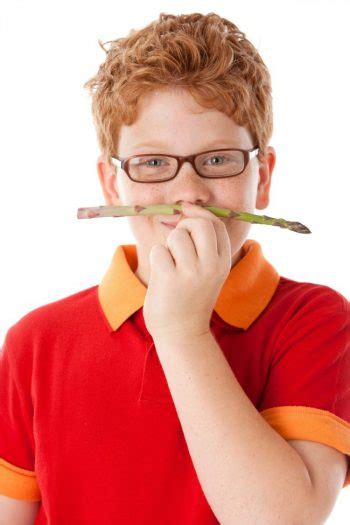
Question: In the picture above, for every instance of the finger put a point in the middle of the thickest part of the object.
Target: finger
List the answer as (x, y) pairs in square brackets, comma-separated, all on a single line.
[(192, 210), (223, 240), (202, 232), (182, 247), (160, 258)]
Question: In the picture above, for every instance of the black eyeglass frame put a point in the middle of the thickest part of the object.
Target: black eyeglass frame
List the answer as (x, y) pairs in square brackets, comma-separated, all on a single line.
[(124, 163)]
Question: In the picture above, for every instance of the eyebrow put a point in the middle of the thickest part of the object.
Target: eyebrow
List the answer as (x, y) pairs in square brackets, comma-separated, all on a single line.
[(160, 144)]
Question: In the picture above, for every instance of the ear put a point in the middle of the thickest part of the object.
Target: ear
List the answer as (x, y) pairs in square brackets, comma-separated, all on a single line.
[(107, 174), (266, 166)]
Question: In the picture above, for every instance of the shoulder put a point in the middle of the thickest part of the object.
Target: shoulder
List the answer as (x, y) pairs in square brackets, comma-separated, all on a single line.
[(306, 296), (46, 320), (310, 316)]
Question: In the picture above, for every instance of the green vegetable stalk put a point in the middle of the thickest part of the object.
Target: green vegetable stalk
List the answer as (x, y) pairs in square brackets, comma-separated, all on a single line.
[(174, 209)]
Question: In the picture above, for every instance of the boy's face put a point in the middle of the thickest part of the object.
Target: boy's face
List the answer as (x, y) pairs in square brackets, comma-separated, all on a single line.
[(172, 122)]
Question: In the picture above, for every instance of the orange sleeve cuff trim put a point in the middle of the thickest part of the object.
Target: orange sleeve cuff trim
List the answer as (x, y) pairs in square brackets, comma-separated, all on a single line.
[(312, 424), (18, 483)]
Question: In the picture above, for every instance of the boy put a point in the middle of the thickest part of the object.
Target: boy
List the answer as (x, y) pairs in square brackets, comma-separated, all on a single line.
[(194, 384)]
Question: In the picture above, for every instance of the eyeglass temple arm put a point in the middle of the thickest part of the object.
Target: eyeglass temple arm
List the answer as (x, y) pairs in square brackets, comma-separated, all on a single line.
[(116, 162), (253, 153)]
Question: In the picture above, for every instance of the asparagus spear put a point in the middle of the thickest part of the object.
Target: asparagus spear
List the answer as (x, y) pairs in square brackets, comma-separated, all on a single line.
[(174, 209)]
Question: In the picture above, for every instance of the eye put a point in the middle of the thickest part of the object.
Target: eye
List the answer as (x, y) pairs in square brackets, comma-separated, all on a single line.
[(152, 160), (229, 158), (216, 157)]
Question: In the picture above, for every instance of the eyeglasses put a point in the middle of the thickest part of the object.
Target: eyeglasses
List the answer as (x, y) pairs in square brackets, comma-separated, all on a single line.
[(141, 168)]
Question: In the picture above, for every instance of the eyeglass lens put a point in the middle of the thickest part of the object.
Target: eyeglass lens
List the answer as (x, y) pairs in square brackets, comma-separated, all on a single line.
[(152, 168)]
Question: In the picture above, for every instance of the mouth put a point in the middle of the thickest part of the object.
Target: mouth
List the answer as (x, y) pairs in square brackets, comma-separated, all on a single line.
[(170, 221), (169, 224)]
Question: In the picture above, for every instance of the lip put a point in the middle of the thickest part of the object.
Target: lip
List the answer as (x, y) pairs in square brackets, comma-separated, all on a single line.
[(169, 224), (168, 220)]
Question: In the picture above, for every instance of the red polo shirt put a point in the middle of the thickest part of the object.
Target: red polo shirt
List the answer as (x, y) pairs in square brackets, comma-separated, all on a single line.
[(87, 422)]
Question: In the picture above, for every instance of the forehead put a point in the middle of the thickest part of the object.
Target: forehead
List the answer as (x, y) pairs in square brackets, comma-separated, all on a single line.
[(172, 117), (172, 96)]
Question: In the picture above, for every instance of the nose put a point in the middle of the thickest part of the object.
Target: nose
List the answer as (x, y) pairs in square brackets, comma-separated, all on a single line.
[(188, 202), (193, 186)]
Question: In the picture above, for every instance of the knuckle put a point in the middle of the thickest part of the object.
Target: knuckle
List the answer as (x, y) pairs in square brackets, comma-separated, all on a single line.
[(176, 231)]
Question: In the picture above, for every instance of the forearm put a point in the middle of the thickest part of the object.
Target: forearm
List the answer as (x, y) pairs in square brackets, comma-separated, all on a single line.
[(248, 472)]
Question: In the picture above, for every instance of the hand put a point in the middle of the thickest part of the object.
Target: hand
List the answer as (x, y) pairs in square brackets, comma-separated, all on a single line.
[(186, 275)]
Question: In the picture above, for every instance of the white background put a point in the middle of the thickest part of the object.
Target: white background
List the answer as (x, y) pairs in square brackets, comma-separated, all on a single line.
[(49, 147)]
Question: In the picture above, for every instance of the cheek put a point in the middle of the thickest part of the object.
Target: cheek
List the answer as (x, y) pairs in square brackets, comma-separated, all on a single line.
[(143, 227), (245, 200), (141, 223), (237, 230), (242, 193)]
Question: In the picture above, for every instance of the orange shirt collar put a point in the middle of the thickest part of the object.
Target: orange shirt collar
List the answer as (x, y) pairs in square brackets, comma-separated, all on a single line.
[(244, 295)]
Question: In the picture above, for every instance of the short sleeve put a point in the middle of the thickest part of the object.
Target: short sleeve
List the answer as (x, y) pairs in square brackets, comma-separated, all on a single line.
[(17, 458), (307, 392)]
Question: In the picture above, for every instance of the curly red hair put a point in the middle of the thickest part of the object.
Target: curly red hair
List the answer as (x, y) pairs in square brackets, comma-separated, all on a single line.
[(206, 54)]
